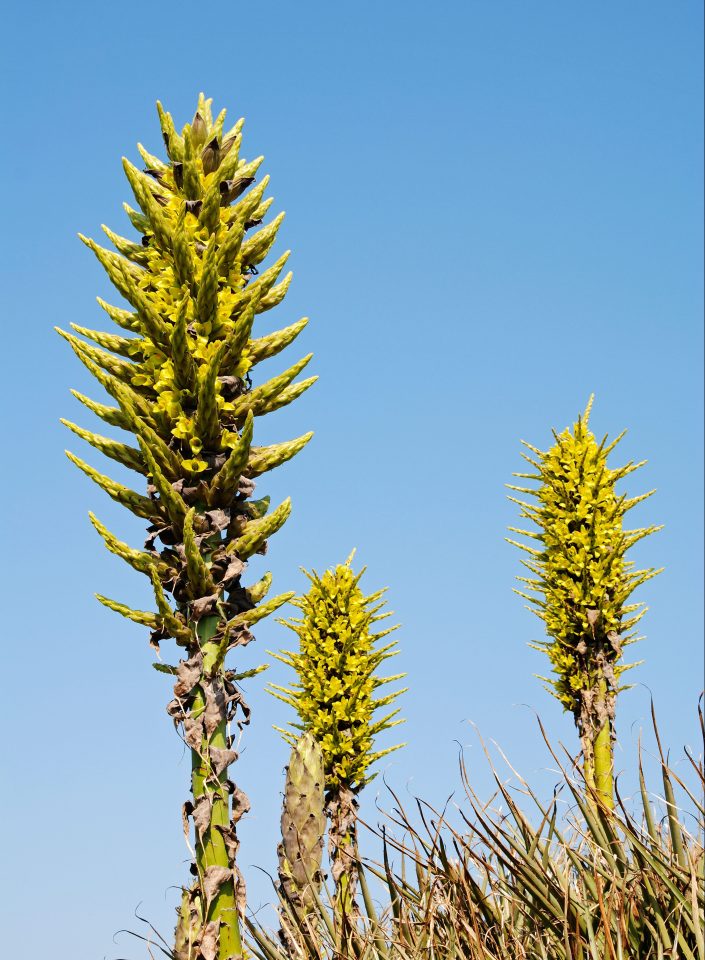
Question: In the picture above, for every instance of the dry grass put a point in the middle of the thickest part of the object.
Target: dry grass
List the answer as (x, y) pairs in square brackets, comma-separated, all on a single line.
[(520, 879)]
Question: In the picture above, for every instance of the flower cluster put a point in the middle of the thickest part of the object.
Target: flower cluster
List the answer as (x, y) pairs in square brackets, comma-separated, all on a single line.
[(336, 665), (582, 578)]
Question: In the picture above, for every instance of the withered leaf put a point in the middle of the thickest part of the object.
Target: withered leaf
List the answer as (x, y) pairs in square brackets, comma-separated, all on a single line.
[(240, 804), (154, 531), (186, 811), (233, 570), (213, 879), (193, 731), (615, 642), (240, 894), (593, 617), (240, 637), (201, 814), (214, 713), (221, 759), (188, 673), (175, 710), (209, 940), (204, 606), (219, 519), (230, 840), (246, 487)]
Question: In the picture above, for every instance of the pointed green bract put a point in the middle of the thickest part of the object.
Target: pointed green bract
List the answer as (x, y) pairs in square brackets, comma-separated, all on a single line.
[(581, 580), (180, 371)]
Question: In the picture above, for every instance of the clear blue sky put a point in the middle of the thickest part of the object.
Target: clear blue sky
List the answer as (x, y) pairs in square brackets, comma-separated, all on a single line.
[(495, 209)]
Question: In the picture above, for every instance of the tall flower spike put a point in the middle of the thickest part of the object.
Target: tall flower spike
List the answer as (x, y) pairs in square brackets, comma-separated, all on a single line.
[(335, 696), (180, 373), (581, 581)]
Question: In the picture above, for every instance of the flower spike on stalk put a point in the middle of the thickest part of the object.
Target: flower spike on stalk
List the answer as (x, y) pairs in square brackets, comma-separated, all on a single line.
[(581, 582), (335, 696), (181, 374)]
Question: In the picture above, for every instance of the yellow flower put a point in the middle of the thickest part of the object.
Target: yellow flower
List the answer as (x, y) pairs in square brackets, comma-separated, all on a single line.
[(580, 574), (336, 674)]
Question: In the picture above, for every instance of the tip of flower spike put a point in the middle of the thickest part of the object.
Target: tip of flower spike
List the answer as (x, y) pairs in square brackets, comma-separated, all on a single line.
[(588, 408), (95, 521)]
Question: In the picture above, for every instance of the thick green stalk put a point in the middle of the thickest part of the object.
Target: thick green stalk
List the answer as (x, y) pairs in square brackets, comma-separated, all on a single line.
[(211, 848), (603, 760)]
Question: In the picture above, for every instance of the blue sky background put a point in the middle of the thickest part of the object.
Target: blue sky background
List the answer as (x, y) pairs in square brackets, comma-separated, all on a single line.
[(495, 209)]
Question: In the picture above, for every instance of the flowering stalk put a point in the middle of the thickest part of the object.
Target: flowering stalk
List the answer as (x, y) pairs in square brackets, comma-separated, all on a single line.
[(582, 581), (334, 697), (179, 371)]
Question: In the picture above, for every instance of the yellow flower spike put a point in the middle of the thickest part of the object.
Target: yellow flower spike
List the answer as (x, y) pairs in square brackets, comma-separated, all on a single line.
[(183, 257), (207, 419), (137, 559), (121, 452), (142, 617), (137, 219), (172, 140), (139, 505), (144, 191), (200, 579), (123, 346), (263, 459), (256, 248), (112, 365), (170, 501), (258, 531), (262, 397), (111, 415), (225, 483), (127, 248), (582, 582), (335, 678), (265, 347), (276, 294), (265, 284)]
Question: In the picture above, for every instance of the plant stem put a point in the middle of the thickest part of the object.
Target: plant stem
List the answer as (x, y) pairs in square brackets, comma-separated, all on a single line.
[(211, 849), (603, 763), (342, 840)]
